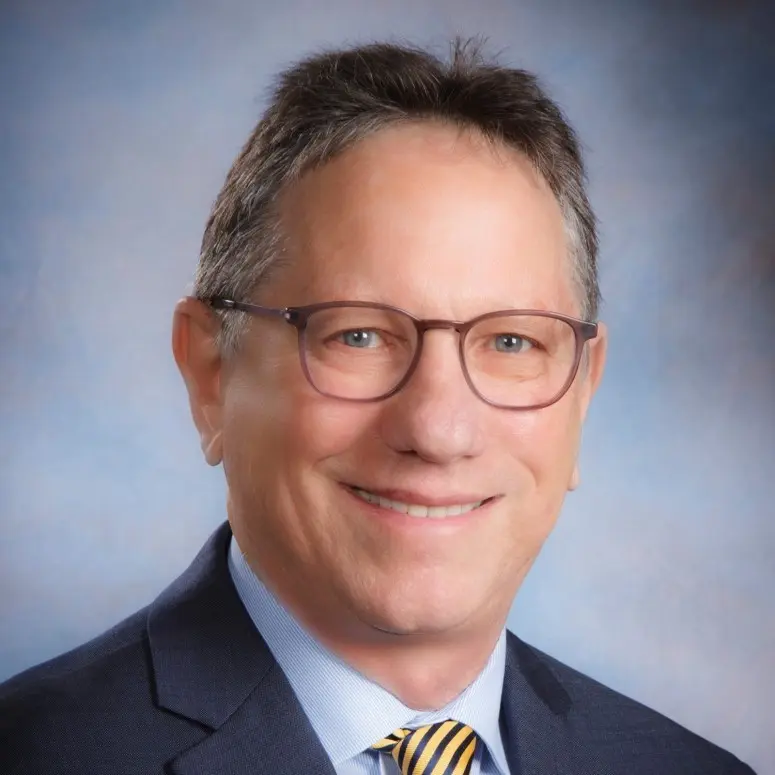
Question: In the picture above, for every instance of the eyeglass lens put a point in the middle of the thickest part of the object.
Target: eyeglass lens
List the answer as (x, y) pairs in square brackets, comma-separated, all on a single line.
[(364, 353)]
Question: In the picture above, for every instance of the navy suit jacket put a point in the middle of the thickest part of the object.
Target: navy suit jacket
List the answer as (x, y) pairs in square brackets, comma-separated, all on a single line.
[(187, 686)]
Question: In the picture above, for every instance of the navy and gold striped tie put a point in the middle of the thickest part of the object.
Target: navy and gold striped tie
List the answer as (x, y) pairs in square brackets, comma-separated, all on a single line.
[(445, 748)]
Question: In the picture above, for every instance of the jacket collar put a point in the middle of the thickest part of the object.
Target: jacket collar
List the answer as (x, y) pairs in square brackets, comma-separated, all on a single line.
[(212, 666), (534, 714)]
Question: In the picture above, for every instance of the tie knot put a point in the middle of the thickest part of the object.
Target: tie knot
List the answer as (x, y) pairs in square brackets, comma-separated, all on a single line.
[(445, 748)]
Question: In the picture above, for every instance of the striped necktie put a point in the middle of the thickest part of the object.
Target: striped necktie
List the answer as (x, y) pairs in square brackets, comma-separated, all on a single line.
[(445, 748)]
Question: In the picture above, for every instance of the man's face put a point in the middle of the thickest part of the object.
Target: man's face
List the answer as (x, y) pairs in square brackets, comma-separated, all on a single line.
[(435, 222)]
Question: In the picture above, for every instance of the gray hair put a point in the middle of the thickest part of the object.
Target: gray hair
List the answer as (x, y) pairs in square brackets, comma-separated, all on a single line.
[(328, 102)]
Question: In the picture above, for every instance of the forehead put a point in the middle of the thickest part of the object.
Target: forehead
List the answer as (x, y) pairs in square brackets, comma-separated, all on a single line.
[(430, 218)]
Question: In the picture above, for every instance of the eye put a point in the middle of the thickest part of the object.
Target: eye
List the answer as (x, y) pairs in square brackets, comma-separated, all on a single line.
[(360, 338), (511, 343)]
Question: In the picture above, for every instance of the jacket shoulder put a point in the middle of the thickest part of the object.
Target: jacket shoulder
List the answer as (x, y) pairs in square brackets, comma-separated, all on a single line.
[(617, 727), (89, 656), (87, 709)]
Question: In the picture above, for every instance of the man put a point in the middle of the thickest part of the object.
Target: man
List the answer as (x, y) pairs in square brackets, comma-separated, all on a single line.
[(391, 349)]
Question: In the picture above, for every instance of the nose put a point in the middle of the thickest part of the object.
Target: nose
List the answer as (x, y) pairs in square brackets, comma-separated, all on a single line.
[(436, 415)]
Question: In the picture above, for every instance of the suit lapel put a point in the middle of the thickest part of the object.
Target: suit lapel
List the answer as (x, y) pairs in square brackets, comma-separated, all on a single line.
[(534, 714), (212, 666), (267, 735)]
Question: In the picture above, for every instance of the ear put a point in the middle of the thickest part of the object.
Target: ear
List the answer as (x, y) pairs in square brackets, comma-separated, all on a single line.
[(593, 374), (194, 330)]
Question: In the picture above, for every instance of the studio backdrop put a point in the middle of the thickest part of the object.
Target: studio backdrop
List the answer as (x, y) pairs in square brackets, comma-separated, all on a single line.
[(118, 123)]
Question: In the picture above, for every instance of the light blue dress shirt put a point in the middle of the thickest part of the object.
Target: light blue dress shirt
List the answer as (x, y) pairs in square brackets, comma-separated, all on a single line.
[(350, 713)]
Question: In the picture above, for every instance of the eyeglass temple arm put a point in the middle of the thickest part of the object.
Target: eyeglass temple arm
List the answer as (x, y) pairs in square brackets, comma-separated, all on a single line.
[(217, 302), (589, 329)]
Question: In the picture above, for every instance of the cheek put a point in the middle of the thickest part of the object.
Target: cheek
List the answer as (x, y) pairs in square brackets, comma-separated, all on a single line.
[(324, 428), (278, 434), (543, 445), (282, 422)]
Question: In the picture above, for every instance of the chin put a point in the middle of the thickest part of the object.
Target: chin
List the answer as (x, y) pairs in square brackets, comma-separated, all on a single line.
[(417, 620), (391, 594), (414, 627)]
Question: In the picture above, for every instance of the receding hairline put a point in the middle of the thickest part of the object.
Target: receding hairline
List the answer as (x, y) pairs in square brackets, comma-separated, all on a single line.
[(504, 153)]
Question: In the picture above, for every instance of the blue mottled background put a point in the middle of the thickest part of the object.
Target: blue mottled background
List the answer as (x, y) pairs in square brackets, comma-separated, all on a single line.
[(117, 124)]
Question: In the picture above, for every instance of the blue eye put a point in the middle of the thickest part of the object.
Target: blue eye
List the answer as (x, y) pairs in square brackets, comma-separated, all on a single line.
[(511, 343), (362, 338)]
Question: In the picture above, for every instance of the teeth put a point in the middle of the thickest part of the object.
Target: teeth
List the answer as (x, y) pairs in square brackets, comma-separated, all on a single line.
[(395, 505), (415, 510)]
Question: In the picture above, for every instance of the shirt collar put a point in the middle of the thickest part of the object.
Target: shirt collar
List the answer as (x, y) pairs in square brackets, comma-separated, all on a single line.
[(349, 712)]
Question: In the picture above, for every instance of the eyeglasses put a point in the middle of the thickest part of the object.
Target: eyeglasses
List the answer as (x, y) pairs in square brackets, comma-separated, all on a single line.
[(360, 351)]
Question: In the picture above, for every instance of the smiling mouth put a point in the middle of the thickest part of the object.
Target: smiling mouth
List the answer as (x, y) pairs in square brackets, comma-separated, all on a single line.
[(416, 509)]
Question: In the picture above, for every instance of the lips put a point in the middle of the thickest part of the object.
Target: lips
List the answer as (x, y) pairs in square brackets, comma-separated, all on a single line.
[(412, 508)]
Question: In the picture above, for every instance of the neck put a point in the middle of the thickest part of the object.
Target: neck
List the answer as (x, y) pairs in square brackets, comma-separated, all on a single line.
[(425, 672)]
